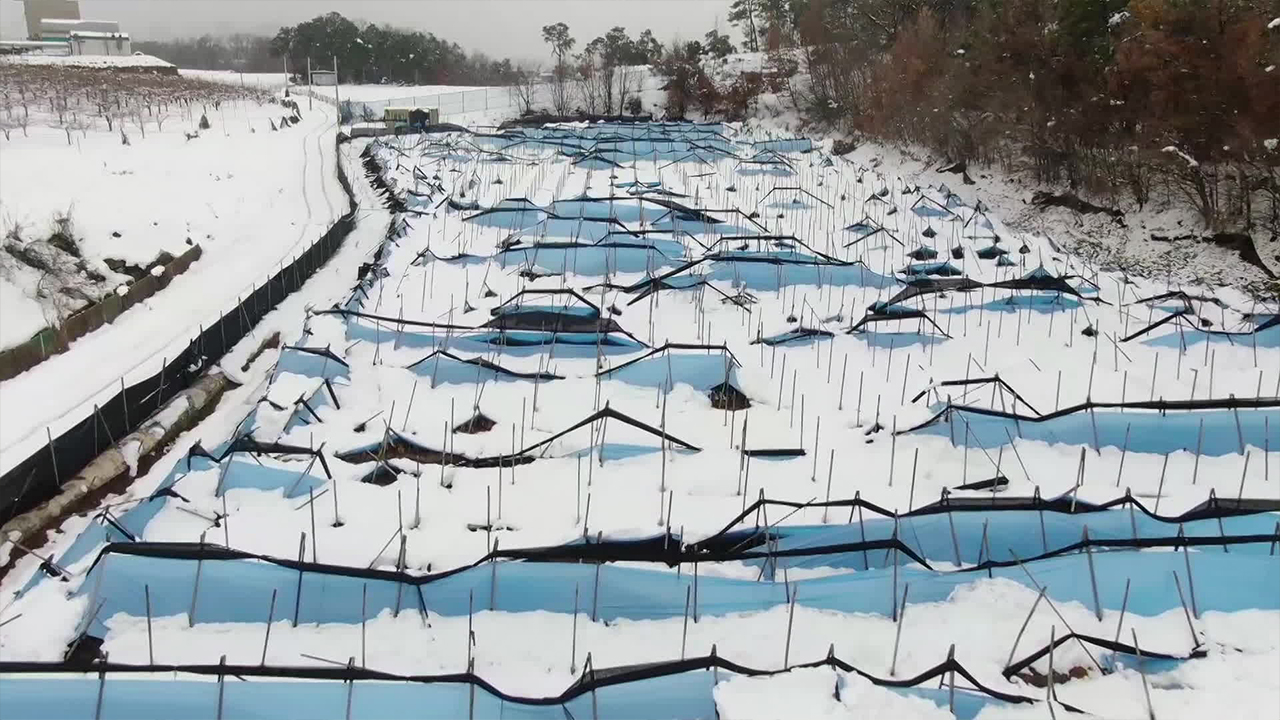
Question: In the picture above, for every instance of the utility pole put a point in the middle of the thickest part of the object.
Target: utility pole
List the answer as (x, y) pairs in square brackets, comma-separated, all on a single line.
[(311, 99)]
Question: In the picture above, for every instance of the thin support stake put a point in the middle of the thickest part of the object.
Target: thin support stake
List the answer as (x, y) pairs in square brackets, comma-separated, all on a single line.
[(271, 614), (1018, 638), (897, 634)]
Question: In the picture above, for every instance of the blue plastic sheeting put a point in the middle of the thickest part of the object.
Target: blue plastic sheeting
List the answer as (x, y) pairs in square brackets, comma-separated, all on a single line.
[(662, 242), (513, 342), (581, 346), (896, 339), (374, 331), (623, 150), (862, 229), (1149, 432), (444, 370), (1268, 338), (240, 475), (579, 229), (1114, 661), (422, 204), (930, 210), (301, 416), (697, 368), (523, 338), (968, 704), (785, 145), (515, 203), (687, 696), (636, 184), (135, 519), (792, 204), (1041, 302), (620, 451), (773, 169), (884, 308), (508, 219), (581, 311), (794, 337), (1011, 535), (590, 260), (316, 365), (596, 162), (250, 475), (774, 276), (628, 211), (240, 590), (933, 268), (772, 256)]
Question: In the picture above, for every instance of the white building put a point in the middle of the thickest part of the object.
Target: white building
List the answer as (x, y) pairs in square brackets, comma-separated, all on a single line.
[(37, 10), (62, 29), (100, 43)]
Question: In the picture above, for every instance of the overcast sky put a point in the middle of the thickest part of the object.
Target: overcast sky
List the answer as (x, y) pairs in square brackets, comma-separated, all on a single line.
[(504, 28)]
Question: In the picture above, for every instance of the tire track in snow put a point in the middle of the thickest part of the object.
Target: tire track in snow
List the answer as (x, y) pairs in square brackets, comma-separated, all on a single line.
[(324, 186)]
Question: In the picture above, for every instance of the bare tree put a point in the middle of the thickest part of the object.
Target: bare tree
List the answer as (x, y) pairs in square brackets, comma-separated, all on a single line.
[(560, 90), (592, 82), (557, 36), (7, 123), (525, 87), (628, 81), (75, 123), (138, 120)]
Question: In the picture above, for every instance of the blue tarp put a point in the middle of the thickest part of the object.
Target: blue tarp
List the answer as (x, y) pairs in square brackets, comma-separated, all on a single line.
[(698, 368), (240, 590), (1149, 432)]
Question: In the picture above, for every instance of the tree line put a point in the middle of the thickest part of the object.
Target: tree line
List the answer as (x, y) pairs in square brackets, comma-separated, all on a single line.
[(602, 77), (242, 52), (365, 53), (382, 53)]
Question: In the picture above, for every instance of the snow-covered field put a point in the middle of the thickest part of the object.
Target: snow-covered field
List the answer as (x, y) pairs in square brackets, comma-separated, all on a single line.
[(91, 61), (251, 197), (374, 93), (267, 81), (536, 253)]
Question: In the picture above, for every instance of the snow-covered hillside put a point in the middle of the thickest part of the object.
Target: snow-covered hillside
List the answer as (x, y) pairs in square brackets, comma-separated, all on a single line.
[(667, 391), (251, 197)]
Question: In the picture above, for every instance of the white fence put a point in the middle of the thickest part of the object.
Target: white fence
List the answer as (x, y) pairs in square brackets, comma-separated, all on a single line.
[(449, 104)]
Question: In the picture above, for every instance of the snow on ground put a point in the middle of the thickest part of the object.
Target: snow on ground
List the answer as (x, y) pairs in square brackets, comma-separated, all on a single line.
[(250, 197), (20, 315), (137, 60), (266, 81), (1145, 243), (837, 396), (376, 93)]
